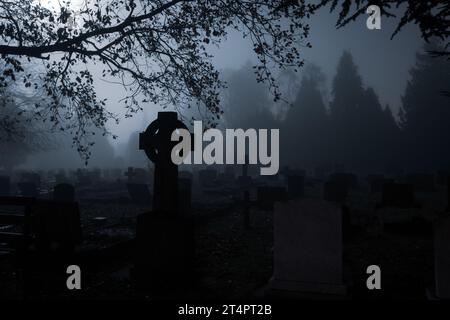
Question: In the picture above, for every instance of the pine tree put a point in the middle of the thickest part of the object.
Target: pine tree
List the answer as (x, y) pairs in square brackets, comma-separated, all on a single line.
[(425, 113)]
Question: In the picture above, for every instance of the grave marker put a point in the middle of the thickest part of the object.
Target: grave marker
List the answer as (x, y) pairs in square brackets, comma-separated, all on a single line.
[(308, 247)]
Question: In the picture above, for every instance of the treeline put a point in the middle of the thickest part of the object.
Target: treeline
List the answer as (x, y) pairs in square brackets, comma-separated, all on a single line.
[(353, 130)]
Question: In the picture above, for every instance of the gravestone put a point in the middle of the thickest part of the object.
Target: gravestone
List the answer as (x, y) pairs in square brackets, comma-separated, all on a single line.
[(399, 195), (139, 193), (295, 186), (268, 195), (165, 238), (64, 192), (5, 186), (334, 191), (421, 182), (308, 247), (28, 189), (442, 257)]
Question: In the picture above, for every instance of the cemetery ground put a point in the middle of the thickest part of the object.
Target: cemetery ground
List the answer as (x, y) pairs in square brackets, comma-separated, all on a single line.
[(235, 262)]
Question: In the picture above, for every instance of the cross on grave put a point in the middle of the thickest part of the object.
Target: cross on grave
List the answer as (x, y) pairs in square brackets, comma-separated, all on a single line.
[(130, 174), (165, 245), (157, 144)]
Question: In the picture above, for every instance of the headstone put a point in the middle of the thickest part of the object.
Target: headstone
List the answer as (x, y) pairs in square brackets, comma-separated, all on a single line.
[(165, 238), (308, 247), (334, 191), (442, 257), (295, 186), (398, 195), (421, 182), (28, 189), (5, 186), (64, 192), (268, 195), (57, 222)]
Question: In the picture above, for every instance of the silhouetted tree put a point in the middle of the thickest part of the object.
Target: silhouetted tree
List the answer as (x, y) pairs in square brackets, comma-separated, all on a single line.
[(347, 97), (425, 113), (303, 132), (247, 102), (158, 50)]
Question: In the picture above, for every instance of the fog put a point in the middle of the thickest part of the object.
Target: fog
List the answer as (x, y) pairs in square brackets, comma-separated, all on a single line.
[(383, 64)]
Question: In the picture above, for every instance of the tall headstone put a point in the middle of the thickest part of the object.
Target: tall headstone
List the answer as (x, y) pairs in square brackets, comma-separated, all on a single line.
[(165, 239), (64, 192), (308, 247)]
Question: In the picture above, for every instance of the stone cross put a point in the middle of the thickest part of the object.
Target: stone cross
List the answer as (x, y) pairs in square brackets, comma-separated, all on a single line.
[(130, 174), (157, 144)]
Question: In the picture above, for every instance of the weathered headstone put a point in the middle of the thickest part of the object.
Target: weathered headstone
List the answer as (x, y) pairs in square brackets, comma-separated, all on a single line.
[(64, 192), (442, 257), (308, 247), (5, 186)]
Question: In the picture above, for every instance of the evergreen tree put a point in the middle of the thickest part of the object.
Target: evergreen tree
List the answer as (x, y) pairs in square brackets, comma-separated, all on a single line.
[(425, 113), (348, 94), (303, 132)]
